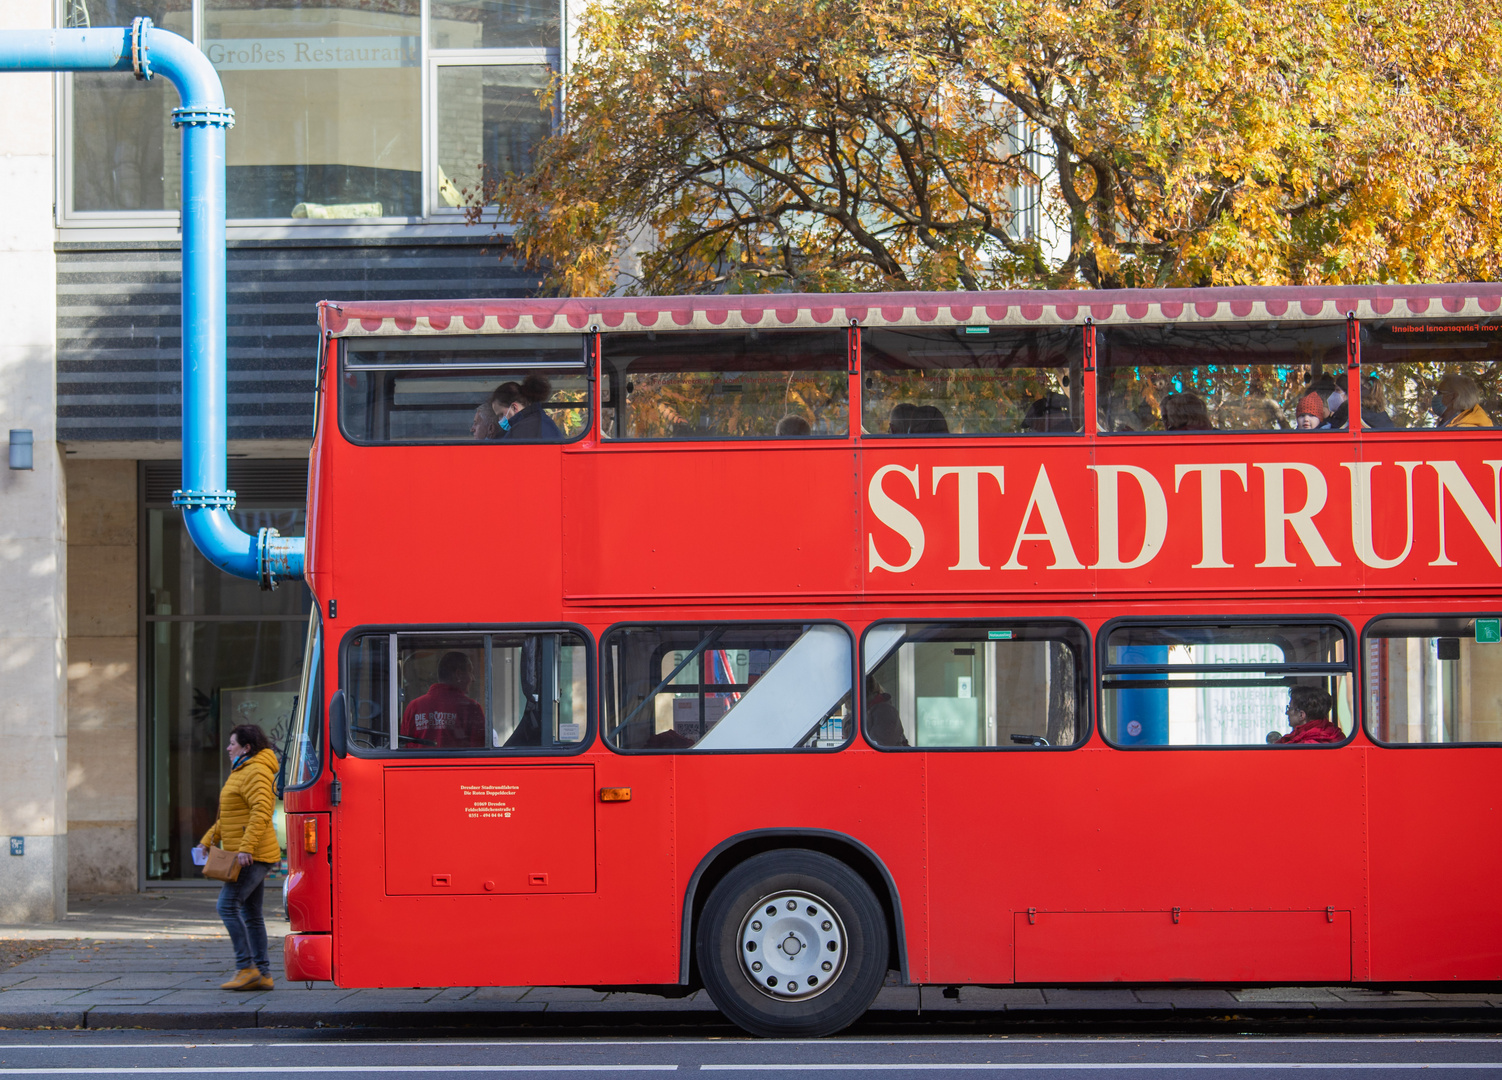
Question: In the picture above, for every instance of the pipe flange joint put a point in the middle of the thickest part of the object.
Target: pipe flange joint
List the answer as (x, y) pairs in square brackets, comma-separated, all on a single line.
[(204, 500), (264, 570), (140, 52), (202, 116)]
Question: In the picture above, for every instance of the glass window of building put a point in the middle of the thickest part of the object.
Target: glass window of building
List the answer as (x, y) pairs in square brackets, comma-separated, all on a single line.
[(124, 157), (343, 112), (218, 652)]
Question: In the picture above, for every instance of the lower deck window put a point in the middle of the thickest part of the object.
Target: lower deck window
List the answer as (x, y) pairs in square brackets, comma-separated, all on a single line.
[(726, 686), (1434, 679), (1226, 685), (498, 691), (995, 684)]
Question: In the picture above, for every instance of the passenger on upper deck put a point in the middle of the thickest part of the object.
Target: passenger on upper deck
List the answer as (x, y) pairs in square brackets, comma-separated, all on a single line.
[(929, 421), (791, 425), (1460, 398), (1310, 412), (1373, 409), (446, 716), (483, 426), (519, 412), (1186, 412), (1048, 413), (900, 420), (1309, 716)]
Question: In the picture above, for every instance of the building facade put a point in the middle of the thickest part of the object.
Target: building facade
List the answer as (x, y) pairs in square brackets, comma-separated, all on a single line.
[(362, 127)]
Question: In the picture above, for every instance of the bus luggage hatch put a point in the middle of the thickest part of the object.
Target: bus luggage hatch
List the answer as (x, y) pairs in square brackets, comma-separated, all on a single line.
[(497, 829), (1183, 946)]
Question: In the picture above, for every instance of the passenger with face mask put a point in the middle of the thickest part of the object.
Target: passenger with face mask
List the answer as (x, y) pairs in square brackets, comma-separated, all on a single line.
[(1458, 403)]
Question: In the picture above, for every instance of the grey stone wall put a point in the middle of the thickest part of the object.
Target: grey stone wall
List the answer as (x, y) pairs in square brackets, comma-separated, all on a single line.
[(102, 676)]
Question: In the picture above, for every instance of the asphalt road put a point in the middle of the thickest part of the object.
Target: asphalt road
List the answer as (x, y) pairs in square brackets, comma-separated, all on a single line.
[(207, 1054)]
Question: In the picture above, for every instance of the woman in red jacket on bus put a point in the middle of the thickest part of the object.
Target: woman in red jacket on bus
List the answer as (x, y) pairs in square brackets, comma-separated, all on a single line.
[(1309, 715)]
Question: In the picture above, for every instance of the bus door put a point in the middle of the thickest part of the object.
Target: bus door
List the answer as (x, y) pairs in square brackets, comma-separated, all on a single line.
[(480, 811)]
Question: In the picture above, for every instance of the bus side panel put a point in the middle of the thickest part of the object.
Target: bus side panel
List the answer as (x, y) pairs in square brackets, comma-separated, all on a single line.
[(1436, 828), (1102, 830), (751, 521), (621, 928), (873, 798), (446, 536)]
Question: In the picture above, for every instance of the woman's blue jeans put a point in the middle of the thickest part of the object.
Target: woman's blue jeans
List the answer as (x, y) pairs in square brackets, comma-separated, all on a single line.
[(240, 908)]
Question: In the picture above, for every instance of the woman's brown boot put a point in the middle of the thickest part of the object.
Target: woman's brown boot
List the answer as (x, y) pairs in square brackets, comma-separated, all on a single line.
[(242, 980)]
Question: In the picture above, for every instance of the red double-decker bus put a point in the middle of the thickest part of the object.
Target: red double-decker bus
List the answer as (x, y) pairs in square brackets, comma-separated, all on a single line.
[(775, 643)]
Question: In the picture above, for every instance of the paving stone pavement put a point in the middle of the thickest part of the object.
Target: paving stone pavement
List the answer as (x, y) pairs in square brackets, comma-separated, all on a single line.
[(156, 960)]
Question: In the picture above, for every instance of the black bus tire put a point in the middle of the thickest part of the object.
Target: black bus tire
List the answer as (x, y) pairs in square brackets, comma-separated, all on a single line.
[(823, 909)]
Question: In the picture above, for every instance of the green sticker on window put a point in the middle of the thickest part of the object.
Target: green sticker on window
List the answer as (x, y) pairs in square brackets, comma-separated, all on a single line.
[(1006, 635), (977, 329), (1488, 631)]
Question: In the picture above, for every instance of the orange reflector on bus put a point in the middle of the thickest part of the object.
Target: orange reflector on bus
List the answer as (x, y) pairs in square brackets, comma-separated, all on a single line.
[(615, 794), (310, 835)]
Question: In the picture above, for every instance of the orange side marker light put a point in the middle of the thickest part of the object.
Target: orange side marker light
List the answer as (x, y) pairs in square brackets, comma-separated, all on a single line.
[(310, 835), (615, 794)]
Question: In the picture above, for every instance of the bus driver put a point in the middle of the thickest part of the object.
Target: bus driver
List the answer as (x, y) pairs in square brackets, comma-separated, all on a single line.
[(1309, 716), (446, 716)]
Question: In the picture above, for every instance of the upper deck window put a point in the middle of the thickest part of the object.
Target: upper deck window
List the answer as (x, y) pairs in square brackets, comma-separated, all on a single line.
[(1233, 376), (740, 384), (505, 388), (971, 380), (1433, 374)]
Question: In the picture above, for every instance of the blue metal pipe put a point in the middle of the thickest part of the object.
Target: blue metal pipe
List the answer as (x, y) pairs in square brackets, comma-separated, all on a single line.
[(205, 497)]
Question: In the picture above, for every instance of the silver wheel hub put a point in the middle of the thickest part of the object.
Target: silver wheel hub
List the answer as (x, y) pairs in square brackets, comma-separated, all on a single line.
[(792, 946)]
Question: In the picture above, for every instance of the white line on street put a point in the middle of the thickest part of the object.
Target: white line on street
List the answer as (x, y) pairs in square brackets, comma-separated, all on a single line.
[(63, 1070), (1114, 1066)]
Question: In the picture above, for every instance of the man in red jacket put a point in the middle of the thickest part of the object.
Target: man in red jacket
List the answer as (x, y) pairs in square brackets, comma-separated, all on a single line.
[(1309, 715), (446, 716)]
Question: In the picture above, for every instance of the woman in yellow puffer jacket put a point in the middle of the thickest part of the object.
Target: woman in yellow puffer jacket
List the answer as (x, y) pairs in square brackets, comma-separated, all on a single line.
[(244, 828)]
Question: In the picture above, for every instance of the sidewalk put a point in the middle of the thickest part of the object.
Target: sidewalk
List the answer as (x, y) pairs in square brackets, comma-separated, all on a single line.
[(155, 960)]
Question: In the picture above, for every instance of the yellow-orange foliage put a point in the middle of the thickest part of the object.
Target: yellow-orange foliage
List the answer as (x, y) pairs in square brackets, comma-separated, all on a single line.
[(875, 144)]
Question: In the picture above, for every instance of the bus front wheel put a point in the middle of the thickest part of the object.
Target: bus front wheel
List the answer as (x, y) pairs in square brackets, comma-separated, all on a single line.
[(792, 943)]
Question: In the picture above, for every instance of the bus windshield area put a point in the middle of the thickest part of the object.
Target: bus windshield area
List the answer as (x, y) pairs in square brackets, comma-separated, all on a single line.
[(762, 686), (475, 691), (1186, 685), (970, 380), (302, 755), (516, 388), (746, 384)]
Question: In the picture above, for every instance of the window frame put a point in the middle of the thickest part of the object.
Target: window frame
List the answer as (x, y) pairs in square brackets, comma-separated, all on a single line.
[(611, 377), (1083, 370), (313, 700), (1362, 638), (1352, 667), (431, 214), (1101, 372), (1084, 678), (431, 754), (689, 751), (586, 367)]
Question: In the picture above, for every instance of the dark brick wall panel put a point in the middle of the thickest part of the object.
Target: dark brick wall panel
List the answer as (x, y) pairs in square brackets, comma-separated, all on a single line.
[(120, 337)]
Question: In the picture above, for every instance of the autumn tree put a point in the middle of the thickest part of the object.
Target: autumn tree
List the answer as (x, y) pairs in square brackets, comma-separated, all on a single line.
[(878, 144)]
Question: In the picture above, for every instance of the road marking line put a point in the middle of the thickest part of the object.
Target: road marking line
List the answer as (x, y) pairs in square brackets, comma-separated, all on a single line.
[(1145, 1066), (63, 1070)]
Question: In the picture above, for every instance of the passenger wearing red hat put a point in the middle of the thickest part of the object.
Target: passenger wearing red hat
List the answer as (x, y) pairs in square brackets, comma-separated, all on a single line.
[(1310, 412)]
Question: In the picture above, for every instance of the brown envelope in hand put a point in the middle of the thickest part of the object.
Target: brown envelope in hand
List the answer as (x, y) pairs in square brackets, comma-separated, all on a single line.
[(222, 865)]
